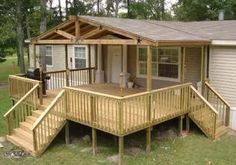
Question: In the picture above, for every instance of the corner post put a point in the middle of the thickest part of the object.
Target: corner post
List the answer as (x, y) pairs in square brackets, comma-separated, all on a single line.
[(187, 123), (183, 64), (89, 64), (202, 69), (149, 88), (34, 54), (180, 126)]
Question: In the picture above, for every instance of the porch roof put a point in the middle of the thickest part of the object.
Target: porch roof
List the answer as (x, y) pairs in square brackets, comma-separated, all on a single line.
[(105, 30)]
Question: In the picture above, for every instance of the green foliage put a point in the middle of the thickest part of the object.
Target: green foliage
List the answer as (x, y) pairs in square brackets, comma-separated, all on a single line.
[(198, 10)]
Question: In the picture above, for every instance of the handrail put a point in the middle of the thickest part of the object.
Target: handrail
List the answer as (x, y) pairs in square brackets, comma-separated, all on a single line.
[(218, 95), (24, 79), (64, 70), (204, 100), (21, 100), (53, 103)]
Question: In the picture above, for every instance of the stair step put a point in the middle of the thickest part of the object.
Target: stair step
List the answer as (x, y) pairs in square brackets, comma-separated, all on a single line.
[(219, 123), (24, 134), (31, 119), (37, 113), (26, 126), (21, 142), (221, 131)]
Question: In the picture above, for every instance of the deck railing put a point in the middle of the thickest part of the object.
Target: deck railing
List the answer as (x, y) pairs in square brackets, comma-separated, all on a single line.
[(218, 102), (76, 77), (124, 115), (22, 109), (203, 113), (49, 123), (19, 86)]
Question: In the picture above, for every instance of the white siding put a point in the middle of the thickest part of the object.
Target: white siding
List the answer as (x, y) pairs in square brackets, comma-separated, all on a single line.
[(222, 72)]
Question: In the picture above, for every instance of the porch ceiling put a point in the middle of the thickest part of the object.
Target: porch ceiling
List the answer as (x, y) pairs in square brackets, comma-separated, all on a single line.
[(94, 30)]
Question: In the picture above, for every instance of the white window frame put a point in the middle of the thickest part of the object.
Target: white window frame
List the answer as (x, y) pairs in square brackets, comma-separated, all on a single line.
[(50, 66), (86, 54), (138, 75)]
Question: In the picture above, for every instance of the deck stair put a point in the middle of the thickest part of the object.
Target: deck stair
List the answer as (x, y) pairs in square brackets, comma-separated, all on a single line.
[(35, 127)]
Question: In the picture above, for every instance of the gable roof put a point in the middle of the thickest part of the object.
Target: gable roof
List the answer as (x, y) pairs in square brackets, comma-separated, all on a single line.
[(154, 32)]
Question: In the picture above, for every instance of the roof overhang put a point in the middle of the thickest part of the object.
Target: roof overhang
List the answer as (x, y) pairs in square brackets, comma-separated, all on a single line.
[(223, 42)]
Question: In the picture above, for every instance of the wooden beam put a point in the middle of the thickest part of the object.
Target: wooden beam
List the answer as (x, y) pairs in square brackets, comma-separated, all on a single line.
[(92, 33), (52, 42), (65, 34), (34, 54), (67, 133), (202, 68), (187, 123), (149, 68), (67, 68), (182, 42), (77, 29), (180, 127), (112, 42)]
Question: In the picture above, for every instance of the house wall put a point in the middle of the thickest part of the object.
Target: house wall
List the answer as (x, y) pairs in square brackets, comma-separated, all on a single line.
[(59, 57), (222, 72), (192, 69)]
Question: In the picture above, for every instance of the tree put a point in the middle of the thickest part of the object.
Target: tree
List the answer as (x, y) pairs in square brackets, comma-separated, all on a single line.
[(20, 35)]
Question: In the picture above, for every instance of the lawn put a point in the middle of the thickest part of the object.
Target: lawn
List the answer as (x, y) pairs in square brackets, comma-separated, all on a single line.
[(9, 67)]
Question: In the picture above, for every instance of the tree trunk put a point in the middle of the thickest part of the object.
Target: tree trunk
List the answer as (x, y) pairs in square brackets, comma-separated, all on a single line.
[(162, 9), (128, 9), (67, 8), (98, 6), (20, 36), (43, 28), (117, 2), (60, 11)]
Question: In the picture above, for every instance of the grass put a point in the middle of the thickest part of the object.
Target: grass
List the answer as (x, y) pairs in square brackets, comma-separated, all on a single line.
[(9, 67)]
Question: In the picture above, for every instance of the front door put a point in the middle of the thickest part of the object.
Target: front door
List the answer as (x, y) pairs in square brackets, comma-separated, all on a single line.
[(114, 53)]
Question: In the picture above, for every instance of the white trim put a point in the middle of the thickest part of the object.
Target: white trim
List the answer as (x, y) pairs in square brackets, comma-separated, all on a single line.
[(223, 42), (52, 55), (86, 54), (159, 77)]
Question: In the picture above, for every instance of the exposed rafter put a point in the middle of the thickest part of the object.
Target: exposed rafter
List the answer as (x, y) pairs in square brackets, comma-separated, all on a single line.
[(65, 34), (92, 33)]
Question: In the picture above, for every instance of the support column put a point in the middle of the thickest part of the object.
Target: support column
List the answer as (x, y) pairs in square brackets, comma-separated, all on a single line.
[(202, 69), (94, 141), (89, 64), (149, 88), (180, 127), (187, 124), (125, 74), (67, 133), (121, 150), (99, 78), (67, 68), (34, 55), (183, 65), (149, 68)]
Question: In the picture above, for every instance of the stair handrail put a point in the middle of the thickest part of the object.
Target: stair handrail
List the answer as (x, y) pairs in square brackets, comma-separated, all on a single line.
[(37, 142), (225, 118), (217, 94), (23, 100)]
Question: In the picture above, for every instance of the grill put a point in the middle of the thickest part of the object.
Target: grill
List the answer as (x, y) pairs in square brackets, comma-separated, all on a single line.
[(34, 73)]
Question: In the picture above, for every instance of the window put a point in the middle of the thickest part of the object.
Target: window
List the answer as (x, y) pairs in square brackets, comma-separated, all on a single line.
[(48, 56), (165, 63), (80, 55)]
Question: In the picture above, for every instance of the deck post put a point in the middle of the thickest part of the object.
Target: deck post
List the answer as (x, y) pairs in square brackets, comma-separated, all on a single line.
[(148, 140), (89, 63), (187, 123), (121, 150), (149, 88), (34, 54), (149, 68), (183, 64), (67, 68), (67, 133), (180, 127), (99, 76), (202, 69), (94, 141)]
